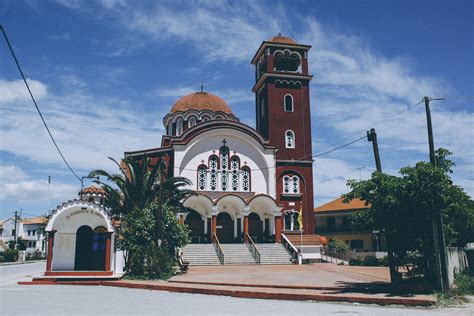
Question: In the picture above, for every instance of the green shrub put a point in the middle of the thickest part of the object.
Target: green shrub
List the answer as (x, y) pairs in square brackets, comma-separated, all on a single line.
[(355, 262), (464, 284), (11, 255), (384, 261), (338, 245), (370, 261)]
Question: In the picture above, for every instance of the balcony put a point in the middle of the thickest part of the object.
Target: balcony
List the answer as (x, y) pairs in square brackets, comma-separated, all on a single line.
[(344, 229)]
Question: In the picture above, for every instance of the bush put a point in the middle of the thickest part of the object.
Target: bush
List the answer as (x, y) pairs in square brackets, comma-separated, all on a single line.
[(355, 262), (338, 245), (370, 261), (11, 255), (464, 284)]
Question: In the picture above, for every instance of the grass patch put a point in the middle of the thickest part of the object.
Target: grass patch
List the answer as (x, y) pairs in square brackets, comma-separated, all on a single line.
[(463, 285)]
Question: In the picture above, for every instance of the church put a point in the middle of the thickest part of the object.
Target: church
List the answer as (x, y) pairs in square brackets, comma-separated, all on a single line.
[(249, 182)]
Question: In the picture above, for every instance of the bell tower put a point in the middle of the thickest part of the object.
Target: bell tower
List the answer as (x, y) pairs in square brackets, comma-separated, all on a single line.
[(283, 117)]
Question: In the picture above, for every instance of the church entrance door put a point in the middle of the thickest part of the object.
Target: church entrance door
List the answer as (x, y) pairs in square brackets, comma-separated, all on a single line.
[(90, 249), (255, 227), (225, 228), (196, 225)]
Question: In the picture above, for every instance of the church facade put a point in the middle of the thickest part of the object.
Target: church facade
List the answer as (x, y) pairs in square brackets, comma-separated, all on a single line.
[(249, 183)]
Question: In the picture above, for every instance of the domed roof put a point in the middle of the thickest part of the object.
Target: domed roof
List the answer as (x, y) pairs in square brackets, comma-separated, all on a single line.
[(92, 190), (201, 101), (283, 40)]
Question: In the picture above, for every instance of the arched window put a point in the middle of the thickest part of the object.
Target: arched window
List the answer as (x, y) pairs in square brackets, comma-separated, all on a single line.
[(179, 126), (291, 184), (206, 118), (295, 185), (262, 108), (213, 173), (286, 184), (245, 179), (289, 139), (191, 121), (224, 164), (202, 177), (234, 167), (289, 103)]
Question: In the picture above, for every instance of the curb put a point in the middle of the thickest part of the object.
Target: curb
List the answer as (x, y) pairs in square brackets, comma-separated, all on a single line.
[(245, 293)]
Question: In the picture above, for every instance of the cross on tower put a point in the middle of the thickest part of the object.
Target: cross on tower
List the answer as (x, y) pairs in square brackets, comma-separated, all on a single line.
[(224, 141)]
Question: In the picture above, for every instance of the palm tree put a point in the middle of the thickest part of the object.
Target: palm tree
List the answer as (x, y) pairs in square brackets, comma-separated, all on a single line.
[(140, 183)]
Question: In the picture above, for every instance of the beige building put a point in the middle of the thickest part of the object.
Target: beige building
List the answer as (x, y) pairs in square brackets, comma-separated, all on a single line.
[(332, 220)]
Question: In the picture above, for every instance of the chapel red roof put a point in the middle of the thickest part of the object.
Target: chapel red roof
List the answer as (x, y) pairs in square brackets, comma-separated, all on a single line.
[(298, 239), (201, 101), (93, 190)]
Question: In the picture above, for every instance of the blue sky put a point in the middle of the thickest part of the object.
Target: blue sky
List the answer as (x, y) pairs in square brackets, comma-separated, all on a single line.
[(106, 72)]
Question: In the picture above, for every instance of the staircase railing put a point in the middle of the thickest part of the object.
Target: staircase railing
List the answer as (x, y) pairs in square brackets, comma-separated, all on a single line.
[(218, 248), (252, 248), (289, 247)]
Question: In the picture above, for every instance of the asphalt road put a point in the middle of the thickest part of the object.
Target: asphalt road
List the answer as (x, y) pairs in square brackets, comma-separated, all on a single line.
[(100, 300)]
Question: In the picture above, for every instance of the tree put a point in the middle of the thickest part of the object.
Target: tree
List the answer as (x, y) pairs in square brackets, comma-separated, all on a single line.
[(145, 202), (405, 206)]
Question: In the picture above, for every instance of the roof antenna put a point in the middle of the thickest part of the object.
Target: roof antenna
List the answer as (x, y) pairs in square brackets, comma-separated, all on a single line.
[(202, 86)]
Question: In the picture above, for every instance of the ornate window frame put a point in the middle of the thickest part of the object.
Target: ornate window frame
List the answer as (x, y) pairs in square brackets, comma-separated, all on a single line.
[(289, 139), (285, 108)]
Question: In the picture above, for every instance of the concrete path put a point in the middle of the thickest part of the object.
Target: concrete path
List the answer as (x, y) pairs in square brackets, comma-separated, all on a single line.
[(11, 273), (98, 300)]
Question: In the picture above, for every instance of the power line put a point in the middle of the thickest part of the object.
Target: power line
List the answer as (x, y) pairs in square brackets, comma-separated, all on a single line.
[(454, 98), (36, 105)]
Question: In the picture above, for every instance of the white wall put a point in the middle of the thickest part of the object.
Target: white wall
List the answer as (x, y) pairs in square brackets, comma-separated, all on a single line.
[(189, 157), (457, 262)]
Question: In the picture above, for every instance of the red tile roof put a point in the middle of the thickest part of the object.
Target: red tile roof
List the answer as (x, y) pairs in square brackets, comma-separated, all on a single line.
[(35, 220), (93, 190), (298, 239), (339, 205), (201, 101), (283, 40)]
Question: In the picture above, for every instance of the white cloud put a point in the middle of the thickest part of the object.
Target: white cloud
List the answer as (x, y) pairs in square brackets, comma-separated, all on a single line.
[(12, 91), (16, 185)]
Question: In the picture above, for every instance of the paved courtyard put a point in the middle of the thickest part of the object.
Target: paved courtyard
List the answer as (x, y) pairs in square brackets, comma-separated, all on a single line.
[(314, 275)]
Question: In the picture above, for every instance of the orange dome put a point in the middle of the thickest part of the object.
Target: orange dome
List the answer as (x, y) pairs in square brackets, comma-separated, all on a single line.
[(283, 40), (201, 101)]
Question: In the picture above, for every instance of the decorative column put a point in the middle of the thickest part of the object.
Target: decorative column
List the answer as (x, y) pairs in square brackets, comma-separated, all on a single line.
[(214, 220), (278, 228), (49, 259), (108, 246), (246, 222)]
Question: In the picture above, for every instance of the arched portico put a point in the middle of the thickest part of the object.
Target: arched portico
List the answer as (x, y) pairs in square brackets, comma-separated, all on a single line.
[(79, 238)]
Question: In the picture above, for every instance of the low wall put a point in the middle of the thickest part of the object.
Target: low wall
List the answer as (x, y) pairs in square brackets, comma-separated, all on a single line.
[(362, 255), (457, 262)]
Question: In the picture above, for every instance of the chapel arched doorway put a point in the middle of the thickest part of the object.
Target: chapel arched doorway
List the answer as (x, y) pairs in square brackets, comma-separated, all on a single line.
[(255, 227), (195, 223), (225, 228), (90, 249)]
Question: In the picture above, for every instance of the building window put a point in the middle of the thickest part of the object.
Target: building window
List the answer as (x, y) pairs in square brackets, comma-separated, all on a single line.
[(234, 167), (291, 185), (179, 126), (192, 121), (289, 103), (262, 108), (213, 173), (246, 179), (289, 139), (29, 232), (202, 173), (291, 220), (206, 118), (33, 232), (331, 222), (357, 244), (224, 161)]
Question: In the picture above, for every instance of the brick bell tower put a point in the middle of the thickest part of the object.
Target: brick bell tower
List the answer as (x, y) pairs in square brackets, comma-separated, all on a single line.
[(283, 117)]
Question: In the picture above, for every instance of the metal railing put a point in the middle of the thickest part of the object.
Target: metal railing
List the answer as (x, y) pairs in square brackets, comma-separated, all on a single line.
[(218, 248), (289, 247), (333, 256), (252, 248)]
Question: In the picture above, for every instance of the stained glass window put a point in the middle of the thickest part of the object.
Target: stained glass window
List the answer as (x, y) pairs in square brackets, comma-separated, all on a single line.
[(289, 139), (213, 173), (286, 184), (245, 179), (202, 173), (234, 167)]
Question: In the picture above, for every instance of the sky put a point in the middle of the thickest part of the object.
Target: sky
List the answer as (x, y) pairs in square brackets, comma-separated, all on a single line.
[(106, 72)]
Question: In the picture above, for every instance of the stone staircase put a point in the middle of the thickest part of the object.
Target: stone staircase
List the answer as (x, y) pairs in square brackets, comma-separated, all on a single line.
[(200, 255), (273, 254), (237, 254)]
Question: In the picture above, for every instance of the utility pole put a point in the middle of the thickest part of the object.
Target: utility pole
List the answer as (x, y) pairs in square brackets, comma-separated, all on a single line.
[(372, 137), (437, 222), (16, 230), (394, 277)]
